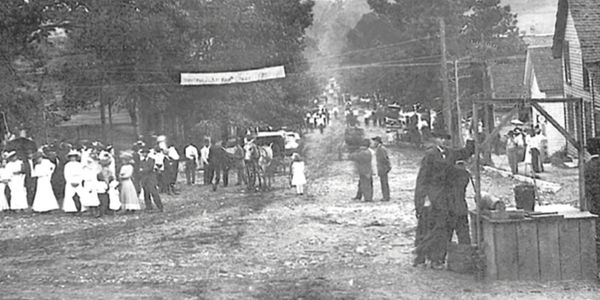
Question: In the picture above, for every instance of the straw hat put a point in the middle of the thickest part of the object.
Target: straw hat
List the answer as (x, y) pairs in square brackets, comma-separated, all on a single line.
[(73, 152)]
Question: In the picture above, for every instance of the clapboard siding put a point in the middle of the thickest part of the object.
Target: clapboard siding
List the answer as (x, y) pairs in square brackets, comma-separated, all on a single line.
[(575, 88)]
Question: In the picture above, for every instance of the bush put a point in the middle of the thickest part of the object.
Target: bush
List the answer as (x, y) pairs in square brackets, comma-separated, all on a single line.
[(559, 158)]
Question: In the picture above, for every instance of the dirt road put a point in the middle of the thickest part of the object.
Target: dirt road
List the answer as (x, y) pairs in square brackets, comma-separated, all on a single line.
[(236, 245)]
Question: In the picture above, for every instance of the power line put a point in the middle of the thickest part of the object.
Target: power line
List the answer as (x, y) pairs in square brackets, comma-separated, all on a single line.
[(369, 49)]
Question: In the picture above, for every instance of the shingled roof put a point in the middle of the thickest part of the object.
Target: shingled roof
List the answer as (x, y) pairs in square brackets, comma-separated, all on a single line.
[(547, 69), (506, 78), (586, 16)]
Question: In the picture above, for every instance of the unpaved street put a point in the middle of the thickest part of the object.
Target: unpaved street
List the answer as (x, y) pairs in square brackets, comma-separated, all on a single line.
[(237, 245)]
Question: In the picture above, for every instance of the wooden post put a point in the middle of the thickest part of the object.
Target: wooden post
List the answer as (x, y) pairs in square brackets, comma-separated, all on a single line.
[(110, 123), (477, 181), (458, 111), (446, 104), (583, 205)]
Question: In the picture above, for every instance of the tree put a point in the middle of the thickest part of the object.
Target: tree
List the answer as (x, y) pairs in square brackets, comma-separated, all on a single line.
[(475, 29)]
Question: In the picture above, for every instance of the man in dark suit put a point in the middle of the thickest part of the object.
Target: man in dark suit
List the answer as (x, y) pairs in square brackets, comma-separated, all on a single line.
[(431, 190), (362, 161), (30, 181), (383, 166), (458, 221), (217, 162), (148, 180)]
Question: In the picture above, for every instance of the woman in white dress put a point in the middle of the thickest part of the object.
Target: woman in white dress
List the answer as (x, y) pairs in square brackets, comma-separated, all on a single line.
[(4, 179), (44, 200), (18, 193), (129, 200), (89, 198), (297, 174), (73, 179)]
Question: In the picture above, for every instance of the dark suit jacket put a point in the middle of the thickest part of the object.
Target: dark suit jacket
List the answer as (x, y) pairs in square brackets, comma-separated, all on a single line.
[(146, 171), (431, 180), (458, 180), (383, 161), (216, 155), (362, 160), (461, 153)]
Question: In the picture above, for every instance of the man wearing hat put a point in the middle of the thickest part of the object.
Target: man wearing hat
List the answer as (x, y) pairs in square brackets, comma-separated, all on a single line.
[(458, 220), (432, 191), (191, 163), (383, 166), (363, 162), (148, 180), (73, 174)]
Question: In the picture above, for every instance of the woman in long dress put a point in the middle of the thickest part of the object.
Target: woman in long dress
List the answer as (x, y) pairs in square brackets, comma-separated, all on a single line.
[(44, 199), (18, 192), (4, 179), (89, 197), (128, 194), (73, 179)]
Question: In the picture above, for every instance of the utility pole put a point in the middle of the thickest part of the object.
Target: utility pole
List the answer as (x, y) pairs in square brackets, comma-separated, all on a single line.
[(447, 104), (458, 111)]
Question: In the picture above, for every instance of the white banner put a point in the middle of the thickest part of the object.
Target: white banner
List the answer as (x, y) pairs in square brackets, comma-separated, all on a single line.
[(232, 77)]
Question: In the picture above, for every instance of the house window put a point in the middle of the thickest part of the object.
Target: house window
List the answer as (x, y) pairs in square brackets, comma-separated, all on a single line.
[(589, 120), (569, 113), (586, 78), (567, 62)]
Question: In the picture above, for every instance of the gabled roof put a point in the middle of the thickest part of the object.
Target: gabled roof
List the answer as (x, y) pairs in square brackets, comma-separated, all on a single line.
[(547, 69), (506, 77), (586, 16)]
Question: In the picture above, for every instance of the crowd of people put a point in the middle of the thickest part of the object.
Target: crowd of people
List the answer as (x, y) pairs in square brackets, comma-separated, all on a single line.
[(525, 146), (319, 118), (87, 177)]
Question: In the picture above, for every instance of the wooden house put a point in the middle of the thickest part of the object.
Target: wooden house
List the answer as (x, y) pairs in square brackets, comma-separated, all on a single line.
[(543, 79), (577, 43)]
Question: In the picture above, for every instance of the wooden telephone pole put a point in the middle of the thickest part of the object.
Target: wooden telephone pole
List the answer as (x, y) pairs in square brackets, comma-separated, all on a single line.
[(446, 104)]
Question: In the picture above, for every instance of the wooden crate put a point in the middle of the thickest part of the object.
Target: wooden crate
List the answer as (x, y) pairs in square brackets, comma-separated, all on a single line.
[(541, 249)]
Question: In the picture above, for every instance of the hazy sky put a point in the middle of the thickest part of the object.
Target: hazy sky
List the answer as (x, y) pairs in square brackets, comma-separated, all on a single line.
[(535, 16)]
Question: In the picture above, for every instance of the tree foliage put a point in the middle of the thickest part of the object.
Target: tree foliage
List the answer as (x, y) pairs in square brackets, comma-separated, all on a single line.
[(130, 53), (476, 30)]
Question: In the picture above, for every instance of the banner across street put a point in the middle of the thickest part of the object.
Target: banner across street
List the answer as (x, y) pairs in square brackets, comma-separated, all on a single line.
[(232, 77)]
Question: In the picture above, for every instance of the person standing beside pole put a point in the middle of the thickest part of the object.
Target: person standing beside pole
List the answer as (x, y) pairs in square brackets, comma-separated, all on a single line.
[(512, 152), (431, 188)]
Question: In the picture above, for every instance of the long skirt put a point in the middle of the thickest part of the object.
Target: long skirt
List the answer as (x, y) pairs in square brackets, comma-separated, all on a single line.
[(89, 197), (128, 195), (3, 201), (18, 193), (114, 201), (69, 202), (44, 199)]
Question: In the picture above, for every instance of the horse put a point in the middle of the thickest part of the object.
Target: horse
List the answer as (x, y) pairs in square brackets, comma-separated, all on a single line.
[(258, 165)]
